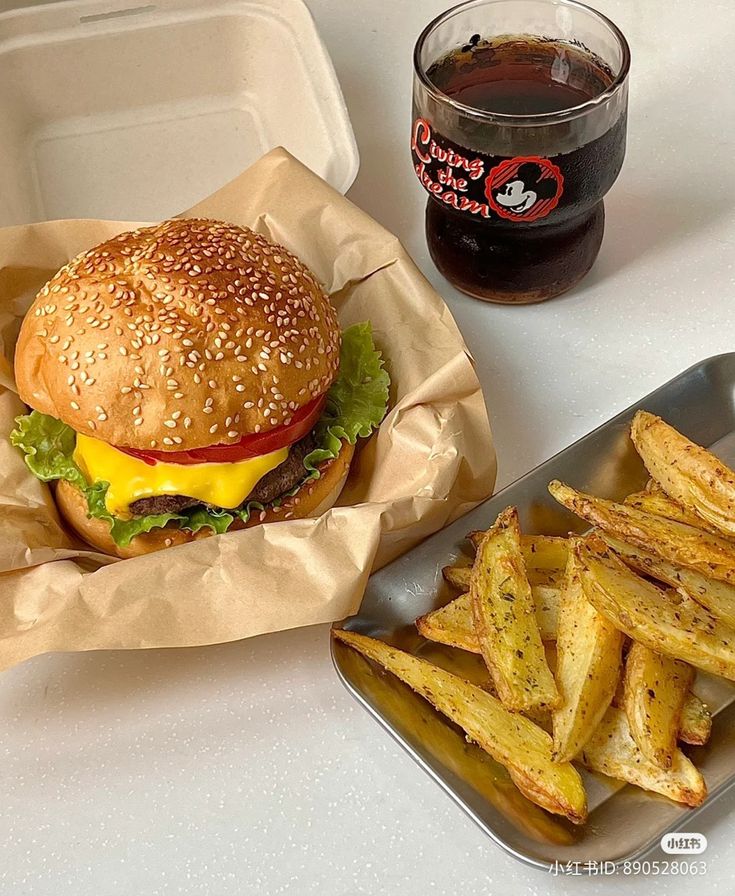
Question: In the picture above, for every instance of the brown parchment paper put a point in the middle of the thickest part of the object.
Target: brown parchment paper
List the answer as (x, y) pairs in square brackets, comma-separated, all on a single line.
[(431, 461)]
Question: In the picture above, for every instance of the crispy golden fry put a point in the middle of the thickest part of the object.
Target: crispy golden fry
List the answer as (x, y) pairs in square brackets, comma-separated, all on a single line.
[(468, 666), (659, 503), (710, 555), (588, 666), (667, 622), (514, 741), (447, 743), (471, 667), (458, 576), (543, 579), (546, 599), (451, 624), (688, 473), (655, 689), (717, 597), (612, 751), (547, 552), (696, 721), (504, 619)]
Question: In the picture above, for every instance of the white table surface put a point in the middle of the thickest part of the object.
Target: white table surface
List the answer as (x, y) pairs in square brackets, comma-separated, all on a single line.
[(247, 768)]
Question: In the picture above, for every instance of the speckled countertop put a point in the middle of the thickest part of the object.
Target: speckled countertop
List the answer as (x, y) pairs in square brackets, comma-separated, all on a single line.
[(247, 768)]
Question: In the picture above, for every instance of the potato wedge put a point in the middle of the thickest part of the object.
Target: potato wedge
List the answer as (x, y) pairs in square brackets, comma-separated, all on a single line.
[(612, 751), (449, 745), (514, 741), (504, 619), (696, 721), (655, 689), (667, 622), (688, 473), (458, 576), (589, 649), (452, 624), (660, 504), (547, 552), (717, 597), (710, 555), (546, 599)]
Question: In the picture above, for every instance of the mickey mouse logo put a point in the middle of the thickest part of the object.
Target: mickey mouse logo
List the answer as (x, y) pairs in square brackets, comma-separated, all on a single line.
[(524, 189)]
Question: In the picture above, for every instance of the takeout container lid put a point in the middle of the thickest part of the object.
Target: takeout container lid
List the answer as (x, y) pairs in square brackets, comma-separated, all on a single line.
[(134, 111)]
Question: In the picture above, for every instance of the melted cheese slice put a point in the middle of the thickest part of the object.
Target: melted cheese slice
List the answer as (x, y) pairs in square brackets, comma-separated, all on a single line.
[(222, 484)]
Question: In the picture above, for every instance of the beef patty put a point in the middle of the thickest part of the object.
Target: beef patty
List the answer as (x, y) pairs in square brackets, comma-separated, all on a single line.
[(279, 481)]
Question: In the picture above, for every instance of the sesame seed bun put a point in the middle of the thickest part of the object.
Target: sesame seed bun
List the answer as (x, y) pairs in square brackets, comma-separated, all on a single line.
[(183, 335), (314, 498)]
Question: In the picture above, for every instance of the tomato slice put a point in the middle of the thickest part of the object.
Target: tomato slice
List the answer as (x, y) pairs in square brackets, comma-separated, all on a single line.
[(253, 445)]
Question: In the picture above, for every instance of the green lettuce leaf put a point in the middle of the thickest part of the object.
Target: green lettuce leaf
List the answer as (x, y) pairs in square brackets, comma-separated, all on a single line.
[(358, 398), (356, 403)]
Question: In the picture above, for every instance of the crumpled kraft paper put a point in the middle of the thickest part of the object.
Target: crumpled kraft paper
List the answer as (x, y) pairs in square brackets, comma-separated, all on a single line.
[(431, 461)]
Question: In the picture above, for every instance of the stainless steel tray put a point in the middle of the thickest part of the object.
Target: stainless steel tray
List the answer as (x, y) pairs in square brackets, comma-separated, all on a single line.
[(624, 823)]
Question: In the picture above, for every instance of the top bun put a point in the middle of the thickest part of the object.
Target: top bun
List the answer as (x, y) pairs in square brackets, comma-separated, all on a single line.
[(183, 335)]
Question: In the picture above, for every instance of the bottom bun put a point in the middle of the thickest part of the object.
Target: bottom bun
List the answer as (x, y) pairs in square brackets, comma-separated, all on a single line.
[(313, 499)]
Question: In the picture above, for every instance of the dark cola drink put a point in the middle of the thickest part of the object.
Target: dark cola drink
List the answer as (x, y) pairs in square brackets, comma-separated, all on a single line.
[(517, 140)]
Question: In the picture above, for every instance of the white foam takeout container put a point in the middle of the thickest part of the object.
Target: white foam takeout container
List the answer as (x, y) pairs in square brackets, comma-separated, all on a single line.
[(118, 109)]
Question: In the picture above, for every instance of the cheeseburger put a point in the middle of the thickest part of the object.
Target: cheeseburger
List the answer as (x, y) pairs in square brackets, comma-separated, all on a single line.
[(190, 378)]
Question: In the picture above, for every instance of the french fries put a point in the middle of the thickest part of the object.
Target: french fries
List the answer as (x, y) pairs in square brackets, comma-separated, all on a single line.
[(449, 745), (612, 751), (540, 552), (588, 666), (511, 739), (549, 618), (659, 503), (667, 622), (696, 721), (452, 624), (682, 545), (655, 690), (717, 597), (458, 576), (689, 474), (504, 619)]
